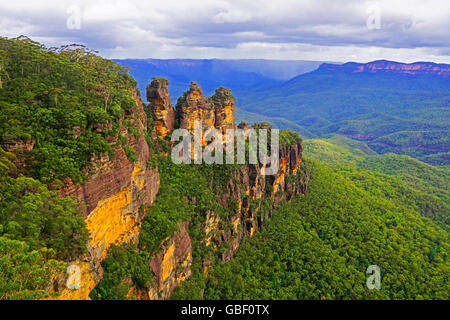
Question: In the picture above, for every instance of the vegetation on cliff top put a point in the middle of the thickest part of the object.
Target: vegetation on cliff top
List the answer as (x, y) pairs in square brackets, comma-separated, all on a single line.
[(64, 101), (364, 209)]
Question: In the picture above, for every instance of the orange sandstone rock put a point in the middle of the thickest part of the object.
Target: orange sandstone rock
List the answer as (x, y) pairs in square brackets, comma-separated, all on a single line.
[(160, 106)]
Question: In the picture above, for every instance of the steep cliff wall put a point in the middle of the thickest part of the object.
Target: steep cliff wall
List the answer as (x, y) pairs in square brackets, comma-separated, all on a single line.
[(113, 199), (173, 264)]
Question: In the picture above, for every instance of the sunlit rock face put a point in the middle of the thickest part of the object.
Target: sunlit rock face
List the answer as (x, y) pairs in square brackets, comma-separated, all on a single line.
[(224, 108), (113, 200), (160, 106), (117, 192), (173, 264), (194, 106), (216, 111)]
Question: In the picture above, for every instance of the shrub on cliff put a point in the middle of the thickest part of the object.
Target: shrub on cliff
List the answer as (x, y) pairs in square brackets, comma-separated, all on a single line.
[(26, 273), (30, 212)]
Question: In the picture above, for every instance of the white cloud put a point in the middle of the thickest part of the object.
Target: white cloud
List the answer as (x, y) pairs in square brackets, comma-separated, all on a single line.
[(332, 30)]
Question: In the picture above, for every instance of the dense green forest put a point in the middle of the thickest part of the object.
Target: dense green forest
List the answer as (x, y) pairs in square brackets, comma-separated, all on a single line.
[(58, 99), (410, 180), (320, 245)]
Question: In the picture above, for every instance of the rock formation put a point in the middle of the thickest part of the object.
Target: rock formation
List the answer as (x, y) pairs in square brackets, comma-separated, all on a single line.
[(215, 112), (160, 106), (247, 187), (194, 106), (117, 192), (224, 108)]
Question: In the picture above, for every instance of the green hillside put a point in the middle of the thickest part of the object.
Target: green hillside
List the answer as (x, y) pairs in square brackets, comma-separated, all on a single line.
[(392, 112), (320, 245), (360, 208), (428, 185)]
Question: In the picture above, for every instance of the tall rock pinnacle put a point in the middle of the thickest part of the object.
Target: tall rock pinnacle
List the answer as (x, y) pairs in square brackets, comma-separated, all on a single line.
[(224, 108), (160, 106), (194, 106)]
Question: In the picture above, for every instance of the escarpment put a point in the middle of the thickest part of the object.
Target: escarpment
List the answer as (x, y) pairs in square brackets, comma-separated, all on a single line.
[(113, 199), (121, 189), (245, 194)]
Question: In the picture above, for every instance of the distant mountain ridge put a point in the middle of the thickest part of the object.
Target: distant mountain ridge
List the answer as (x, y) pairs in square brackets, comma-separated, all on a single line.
[(238, 75), (415, 68), (392, 106)]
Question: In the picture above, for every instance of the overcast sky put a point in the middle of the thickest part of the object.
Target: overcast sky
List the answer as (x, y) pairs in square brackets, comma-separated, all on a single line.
[(324, 30)]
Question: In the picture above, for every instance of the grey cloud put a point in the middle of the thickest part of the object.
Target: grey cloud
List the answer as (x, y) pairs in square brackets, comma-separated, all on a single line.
[(212, 25)]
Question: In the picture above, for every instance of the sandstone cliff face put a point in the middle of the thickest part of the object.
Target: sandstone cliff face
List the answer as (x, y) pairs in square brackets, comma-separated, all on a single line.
[(160, 106), (173, 264), (216, 112), (117, 192), (114, 198), (249, 217)]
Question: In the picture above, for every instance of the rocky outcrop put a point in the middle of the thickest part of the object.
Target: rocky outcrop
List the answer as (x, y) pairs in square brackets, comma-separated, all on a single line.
[(118, 191), (250, 217), (216, 112), (160, 106), (194, 106), (224, 108), (248, 187)]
